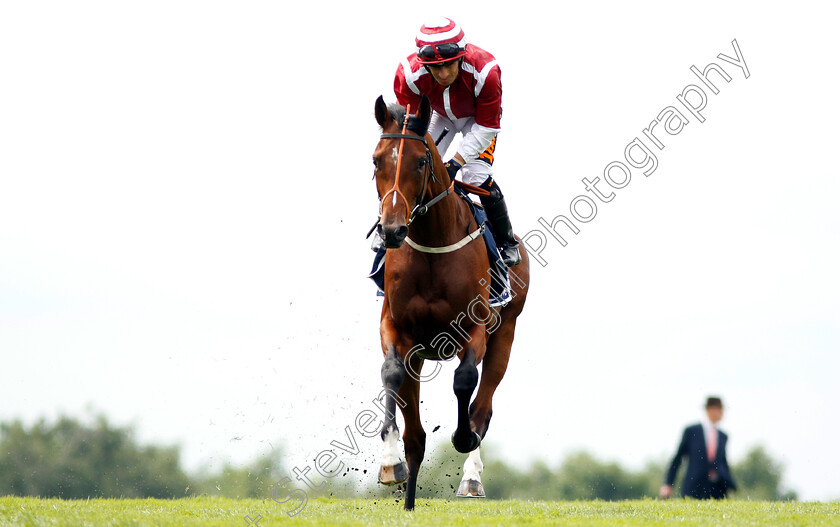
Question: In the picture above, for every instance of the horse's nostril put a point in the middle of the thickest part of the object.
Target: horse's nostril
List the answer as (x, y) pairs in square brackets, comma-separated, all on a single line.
[(393, 235)]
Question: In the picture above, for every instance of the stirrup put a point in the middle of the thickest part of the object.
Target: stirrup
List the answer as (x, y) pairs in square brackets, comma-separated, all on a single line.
[(510, 255), (376, 243)]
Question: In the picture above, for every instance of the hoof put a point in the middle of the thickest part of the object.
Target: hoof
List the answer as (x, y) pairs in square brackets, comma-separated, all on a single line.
[(470, 488), (393, 474), (467, 445)]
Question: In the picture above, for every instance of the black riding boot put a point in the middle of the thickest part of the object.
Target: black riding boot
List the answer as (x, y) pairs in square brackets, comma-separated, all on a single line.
[(497, 214)]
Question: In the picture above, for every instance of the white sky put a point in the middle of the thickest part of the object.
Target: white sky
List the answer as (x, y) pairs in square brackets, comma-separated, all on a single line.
[(185, 189)]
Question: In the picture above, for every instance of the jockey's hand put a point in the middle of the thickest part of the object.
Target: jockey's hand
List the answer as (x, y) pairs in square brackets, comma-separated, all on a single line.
[(452, 166)]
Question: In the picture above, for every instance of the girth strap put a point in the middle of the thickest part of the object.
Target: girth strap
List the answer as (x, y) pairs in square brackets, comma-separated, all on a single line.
[(448, 248)]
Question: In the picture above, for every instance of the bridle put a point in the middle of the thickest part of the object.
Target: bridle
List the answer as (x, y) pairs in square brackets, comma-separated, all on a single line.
[(420, 208)]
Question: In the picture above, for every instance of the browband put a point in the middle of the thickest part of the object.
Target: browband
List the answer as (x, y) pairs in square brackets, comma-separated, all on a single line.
[(403, 136)]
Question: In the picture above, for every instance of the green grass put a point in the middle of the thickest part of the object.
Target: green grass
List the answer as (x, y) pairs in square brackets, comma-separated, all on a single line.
[(388, 512)]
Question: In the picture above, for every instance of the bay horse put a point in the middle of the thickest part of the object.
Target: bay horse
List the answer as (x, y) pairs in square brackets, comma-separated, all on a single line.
[(436, 299)]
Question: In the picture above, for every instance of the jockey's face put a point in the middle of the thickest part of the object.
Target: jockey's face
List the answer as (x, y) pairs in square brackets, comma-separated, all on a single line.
[(446, 73)]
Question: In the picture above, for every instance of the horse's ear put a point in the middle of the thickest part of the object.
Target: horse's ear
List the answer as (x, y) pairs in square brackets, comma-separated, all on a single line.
[(383, 116), (424, 113)]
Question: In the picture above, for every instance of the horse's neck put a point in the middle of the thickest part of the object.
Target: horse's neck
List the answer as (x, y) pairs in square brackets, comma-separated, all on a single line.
[(447, 221)]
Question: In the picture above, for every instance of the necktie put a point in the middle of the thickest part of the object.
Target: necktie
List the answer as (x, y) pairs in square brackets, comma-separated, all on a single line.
[(711, 446)]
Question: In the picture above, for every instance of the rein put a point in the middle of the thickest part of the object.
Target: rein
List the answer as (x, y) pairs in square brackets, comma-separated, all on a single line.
[(396, 188)]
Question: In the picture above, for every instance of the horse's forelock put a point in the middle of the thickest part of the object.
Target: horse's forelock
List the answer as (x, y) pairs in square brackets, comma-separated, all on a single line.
[(397, 112), (414, 123)]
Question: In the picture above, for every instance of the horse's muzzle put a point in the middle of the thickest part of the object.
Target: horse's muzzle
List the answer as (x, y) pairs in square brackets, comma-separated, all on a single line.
[(392, 235)]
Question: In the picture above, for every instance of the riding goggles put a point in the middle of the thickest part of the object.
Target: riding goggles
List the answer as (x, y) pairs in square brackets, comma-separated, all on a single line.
[(445, 50)]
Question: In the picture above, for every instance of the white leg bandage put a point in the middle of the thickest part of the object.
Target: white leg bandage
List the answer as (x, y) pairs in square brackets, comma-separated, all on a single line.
[(473, 467), (391, 455)]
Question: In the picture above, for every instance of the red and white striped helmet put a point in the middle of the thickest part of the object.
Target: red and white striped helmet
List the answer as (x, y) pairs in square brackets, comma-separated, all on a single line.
[(440, 40)]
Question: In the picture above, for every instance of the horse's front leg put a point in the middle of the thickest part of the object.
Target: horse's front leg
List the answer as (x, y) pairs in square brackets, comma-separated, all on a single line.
[(393, 468), (407, 392), (464, 439), (493, 369)]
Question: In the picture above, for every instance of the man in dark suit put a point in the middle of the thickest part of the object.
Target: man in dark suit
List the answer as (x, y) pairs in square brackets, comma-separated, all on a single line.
[(708, 471)]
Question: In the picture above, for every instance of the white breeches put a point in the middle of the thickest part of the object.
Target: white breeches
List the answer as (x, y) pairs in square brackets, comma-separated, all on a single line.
[(474, 172)]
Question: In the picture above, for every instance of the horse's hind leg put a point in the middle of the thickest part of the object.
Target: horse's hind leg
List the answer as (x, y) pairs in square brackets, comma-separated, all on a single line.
[(464, 439), (414, 436), (393, 469), (471, 486)]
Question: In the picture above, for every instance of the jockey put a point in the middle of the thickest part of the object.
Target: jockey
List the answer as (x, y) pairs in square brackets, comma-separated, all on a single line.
[(463, 83)]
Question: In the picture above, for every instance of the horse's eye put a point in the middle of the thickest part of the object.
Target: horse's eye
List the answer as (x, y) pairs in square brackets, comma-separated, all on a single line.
[(421, 163)]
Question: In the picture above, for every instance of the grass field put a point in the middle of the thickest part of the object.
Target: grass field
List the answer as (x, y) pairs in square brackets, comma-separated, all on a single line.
[(387, 512)]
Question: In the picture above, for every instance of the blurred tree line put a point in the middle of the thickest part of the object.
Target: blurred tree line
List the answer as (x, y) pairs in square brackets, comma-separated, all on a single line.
[(70, 460)]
